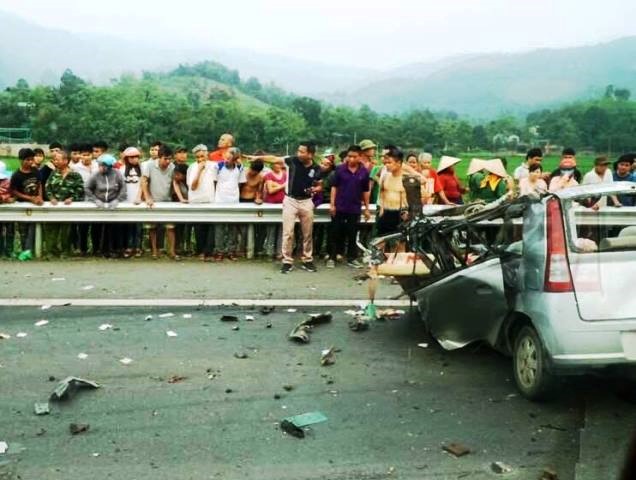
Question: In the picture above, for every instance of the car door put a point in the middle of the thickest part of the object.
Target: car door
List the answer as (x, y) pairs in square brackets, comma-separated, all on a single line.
[(466, 305)]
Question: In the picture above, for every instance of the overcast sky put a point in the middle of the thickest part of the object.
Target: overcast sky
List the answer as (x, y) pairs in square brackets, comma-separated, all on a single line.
[(358, 33)]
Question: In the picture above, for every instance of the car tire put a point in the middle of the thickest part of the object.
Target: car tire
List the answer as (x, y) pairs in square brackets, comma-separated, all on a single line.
[(530, 362)]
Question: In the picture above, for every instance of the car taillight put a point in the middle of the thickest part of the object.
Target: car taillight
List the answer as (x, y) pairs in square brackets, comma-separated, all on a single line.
[(557, 270)]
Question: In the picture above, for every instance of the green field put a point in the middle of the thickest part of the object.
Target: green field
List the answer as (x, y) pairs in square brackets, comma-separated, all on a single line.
[(550, 162)]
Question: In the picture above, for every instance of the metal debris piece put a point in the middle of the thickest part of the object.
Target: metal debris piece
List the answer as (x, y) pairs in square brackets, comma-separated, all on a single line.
[(500, 467), (176, 379), (41, 408), (105, 326), (318, 318), (166, 315), (229, 318), (4, 446), (82, 356), (300, 333), (306, 419), (328, 357), (41, 323), (291, 429), (4, 336), (549, 474), (67, 387), (170, 333), (21, 334), (126, 361), (456, 449), (77, 428)]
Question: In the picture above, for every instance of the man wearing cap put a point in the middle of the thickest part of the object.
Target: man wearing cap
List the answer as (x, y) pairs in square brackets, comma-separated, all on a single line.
[(623, 173), (600, 174), (567, 175), (7, 231)]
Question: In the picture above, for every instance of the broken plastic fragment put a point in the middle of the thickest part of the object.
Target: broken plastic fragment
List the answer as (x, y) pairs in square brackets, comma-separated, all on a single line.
[(105, 326), (45, 307), (328, 357), (456, 449), (126, 361), (166, 315), (170, 333), (249, 318), (291, 310), (305, 419), (187, 315), (77, 428), (88, 287), (4, 446), (41, 323), (67, 387), (360, 324), (41, 408), (82, 356), (21, 334)]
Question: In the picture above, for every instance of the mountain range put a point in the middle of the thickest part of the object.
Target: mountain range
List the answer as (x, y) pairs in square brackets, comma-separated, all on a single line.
[(480, 86)]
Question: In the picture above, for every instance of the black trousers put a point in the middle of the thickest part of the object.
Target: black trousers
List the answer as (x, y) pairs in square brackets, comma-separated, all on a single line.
[(344, 227), (204, 237), (389, 222)]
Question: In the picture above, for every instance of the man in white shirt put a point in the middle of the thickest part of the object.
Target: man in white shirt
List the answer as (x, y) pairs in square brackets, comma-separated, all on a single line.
[(200, 179), (600, 174), (230, 174), (534, 156)]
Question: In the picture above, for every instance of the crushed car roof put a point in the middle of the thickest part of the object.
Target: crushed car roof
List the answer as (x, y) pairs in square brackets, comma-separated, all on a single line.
[(597, 189)]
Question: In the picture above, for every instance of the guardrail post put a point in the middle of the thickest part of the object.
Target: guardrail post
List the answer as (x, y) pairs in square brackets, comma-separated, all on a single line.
[(38, 240), (250, 241)]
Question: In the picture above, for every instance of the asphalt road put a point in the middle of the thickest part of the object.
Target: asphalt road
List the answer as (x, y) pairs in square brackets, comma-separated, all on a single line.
[(390, 404)]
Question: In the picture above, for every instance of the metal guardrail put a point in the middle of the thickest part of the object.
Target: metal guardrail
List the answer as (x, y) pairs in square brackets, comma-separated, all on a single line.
[(249, 214)]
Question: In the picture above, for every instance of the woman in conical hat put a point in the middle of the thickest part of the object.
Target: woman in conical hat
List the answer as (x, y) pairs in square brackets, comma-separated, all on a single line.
[(490, 183), (451, 185)]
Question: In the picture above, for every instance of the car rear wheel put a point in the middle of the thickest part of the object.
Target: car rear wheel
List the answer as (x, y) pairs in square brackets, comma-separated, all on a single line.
[(530, 365)]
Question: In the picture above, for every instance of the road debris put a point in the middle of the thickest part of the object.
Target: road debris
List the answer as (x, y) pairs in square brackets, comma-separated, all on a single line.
[(82, 356), (359, 324), (266, 309), (186, 315), (240, 355), (166, 315), (45, 307), (300, 333), (148, 318), (41, 323), (268, 325), (328, 357), (229, 318), (500, 467), (170, 333), (548, 474), (422, 345), (21, 334), (77, 428), (41, 408), (58, 279), (292, 310), (456, 449), (4, 336), (126, 361), (291, 429), (306, 419), (236, 328), (177, 379), (67, 388), (249, 318), (105, 326), (288, 388), (389, 314), (88, 287), (4, 446)]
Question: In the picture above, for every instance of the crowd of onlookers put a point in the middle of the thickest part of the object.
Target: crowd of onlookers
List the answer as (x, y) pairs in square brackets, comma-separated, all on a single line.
[(348, 182)]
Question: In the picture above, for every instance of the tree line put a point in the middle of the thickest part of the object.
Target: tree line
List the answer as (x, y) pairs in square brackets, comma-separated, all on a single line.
[(178, 108)]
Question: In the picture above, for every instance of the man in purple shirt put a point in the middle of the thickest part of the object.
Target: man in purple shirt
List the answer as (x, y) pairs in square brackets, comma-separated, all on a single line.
[(349, 191)]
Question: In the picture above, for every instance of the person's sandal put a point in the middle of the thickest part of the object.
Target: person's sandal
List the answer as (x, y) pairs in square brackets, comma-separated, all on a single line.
[(218, 257)]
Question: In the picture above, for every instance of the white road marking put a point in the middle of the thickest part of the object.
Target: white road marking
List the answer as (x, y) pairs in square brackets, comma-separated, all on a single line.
[(180, 302)]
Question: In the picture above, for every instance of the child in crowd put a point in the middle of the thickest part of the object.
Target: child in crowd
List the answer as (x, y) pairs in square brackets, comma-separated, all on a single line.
[(7, 231), (182, 231), (131, 171)]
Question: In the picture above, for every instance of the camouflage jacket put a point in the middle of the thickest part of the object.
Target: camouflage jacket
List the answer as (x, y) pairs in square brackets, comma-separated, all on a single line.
[(60, 188)]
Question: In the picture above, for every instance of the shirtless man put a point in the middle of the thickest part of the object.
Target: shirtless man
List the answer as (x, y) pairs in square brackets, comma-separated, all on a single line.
[(392, 198), (252, 190)]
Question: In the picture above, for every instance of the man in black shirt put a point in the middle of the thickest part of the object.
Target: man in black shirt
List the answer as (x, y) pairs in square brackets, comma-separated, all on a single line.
[(26, 187), (303, 181)]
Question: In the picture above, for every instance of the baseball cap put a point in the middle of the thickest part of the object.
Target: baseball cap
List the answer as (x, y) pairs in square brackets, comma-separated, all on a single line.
[(366, 144)]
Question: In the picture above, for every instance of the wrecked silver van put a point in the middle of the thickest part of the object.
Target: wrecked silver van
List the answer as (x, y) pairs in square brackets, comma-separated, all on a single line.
[(546, 280)]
